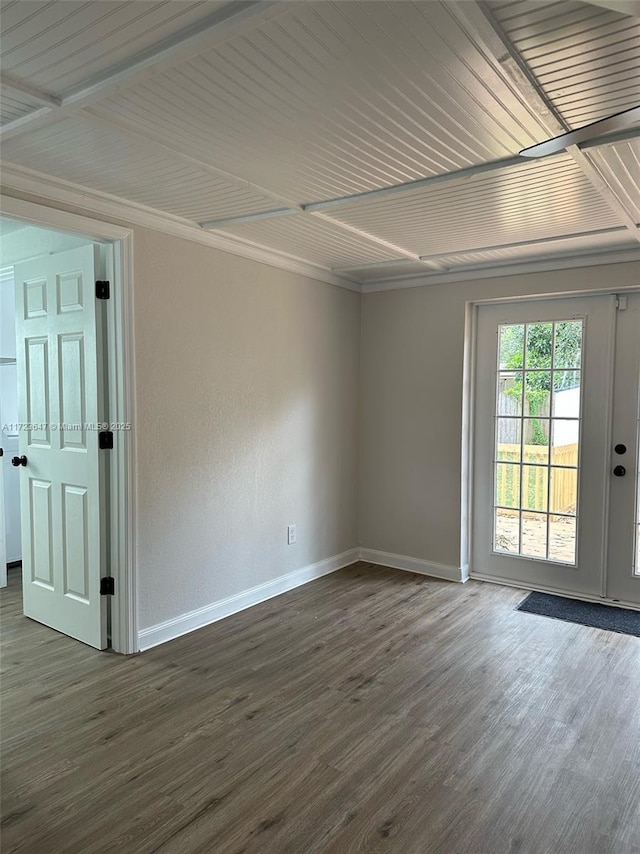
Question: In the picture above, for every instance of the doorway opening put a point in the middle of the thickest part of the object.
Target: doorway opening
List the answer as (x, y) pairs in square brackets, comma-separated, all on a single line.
[(66, 505)]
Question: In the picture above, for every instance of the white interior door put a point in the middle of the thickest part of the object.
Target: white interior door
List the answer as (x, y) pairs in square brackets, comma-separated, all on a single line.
[(60, 405), (556, 390)]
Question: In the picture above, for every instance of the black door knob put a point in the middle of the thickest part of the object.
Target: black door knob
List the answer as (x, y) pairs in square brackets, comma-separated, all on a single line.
[(620, 449), (19, 461), (619, 471)]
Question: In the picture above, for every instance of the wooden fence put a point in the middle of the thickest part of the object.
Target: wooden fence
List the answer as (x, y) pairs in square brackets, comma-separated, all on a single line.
[(564, 481)]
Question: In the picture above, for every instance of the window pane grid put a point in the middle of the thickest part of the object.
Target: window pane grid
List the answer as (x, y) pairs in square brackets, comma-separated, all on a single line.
[(503, 461), (537, 429), (525, 511)]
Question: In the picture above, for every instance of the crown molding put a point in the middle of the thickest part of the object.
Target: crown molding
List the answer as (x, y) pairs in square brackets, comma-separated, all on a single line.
[(543, 265), (19, 181)]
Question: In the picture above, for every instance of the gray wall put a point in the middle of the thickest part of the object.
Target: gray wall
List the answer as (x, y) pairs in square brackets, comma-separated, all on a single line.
[(411, 404), (247, 421)]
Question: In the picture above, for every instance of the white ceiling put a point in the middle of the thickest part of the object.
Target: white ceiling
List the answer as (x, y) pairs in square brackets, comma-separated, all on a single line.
[(21, 242), (219, 113), (9, 226)]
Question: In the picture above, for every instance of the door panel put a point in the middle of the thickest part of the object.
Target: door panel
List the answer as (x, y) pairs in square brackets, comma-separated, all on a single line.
[(60, 407), (556, 451), (76, 547), (623, 580), (42, 546), (38, 396), (540, 444)]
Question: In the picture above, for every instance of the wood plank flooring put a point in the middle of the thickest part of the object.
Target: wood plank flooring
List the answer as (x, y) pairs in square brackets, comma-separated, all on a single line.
[(371, 711)]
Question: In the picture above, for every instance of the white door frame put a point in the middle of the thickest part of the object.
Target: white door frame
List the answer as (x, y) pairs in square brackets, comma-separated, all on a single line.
[(468, 408), (120, 355)]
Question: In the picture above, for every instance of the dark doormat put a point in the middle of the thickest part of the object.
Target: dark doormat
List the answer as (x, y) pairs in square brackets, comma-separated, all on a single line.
[(586, 613)]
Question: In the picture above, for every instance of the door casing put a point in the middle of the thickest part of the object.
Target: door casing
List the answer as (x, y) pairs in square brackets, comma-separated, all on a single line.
[(120, 366), (468, 409)]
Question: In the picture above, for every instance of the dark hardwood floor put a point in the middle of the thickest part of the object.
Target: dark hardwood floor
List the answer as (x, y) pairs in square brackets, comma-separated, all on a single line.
[(371, 711)]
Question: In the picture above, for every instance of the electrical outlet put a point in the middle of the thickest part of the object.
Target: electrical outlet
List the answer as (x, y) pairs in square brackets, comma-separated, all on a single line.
[(291, 534)]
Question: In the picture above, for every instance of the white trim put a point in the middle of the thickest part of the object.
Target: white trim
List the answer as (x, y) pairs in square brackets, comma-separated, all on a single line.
[(33, 92), (122, 397), (414, 564), (189, 622), (467, 444), (417, 184), (121, 402), (214, 224), (538, 241), (609, 352), (392, 247), (543, 265), (623, 7), (556, 591), (59, 220), (586, 292), (28, 181)]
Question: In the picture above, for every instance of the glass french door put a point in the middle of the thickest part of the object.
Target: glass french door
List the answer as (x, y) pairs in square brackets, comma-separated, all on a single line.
[(555, 463)]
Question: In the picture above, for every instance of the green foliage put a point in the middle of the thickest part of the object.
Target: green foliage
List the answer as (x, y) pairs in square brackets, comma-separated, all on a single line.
[(540, 345)]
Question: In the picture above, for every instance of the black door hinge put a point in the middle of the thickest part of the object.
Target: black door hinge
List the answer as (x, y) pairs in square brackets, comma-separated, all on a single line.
[(107, 586), (103, 289), (105, 440)]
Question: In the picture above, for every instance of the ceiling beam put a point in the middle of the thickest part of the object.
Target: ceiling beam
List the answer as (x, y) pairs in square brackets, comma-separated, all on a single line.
[(183, 45), (290, 205), (392, 247), (252, 217), (149, 138), (467, 172), (478, 19), (206, 33), (624, 7), (220, 24), (523, 244), (598, 179), (45, 99), (371, 265), (219, 225)]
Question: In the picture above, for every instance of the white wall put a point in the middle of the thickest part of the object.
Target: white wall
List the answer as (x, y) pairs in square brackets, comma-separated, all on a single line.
[(247, 421), (8, 378), (411, 399), (10, 520)]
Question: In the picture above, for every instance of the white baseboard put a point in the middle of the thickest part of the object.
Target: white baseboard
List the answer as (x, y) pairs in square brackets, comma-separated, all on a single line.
[(414, 564), (189, 622)]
